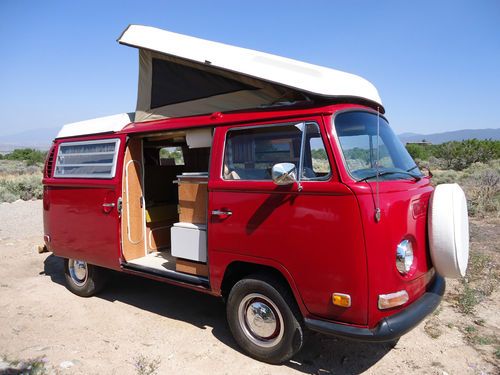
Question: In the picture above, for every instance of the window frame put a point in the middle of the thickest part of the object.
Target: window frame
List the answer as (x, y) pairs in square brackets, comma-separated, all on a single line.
[(108, 176), (302, 151), (343, 159), (300, 178)]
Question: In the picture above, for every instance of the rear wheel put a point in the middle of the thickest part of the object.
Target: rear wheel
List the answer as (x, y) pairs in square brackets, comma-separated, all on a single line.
[(82, 278), (264, 320)]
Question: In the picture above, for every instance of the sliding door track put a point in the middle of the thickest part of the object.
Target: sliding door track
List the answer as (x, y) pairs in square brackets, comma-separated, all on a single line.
[(168, 274)]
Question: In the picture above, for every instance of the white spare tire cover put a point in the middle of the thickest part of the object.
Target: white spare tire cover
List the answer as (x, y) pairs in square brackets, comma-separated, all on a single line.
[(448, 227)]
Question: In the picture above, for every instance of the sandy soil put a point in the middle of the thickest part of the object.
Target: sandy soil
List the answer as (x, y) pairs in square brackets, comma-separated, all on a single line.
[(185, 330)]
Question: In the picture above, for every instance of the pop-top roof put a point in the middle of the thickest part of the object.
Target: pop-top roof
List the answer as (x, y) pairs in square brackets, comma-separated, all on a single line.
[(182, 76)]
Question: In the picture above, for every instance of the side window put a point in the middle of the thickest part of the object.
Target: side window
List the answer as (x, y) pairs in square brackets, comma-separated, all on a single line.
[(316, 164), (171, 156), (91, 159), (251, 153)]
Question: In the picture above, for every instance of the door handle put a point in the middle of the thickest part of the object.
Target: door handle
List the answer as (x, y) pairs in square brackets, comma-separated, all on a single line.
[(107, 207), (221, 213)]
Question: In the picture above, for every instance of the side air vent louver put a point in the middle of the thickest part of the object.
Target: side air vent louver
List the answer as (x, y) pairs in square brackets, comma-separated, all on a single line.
[(49, 165)]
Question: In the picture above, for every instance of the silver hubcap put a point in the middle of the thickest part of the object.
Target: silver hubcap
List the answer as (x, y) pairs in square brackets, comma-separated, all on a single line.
[(78, 271), (260, 320)]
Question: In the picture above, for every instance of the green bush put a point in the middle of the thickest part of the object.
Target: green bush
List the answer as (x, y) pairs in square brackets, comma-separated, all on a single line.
[(168, 153), (456, 155), (460, 155), (418, 151), (29, 155)]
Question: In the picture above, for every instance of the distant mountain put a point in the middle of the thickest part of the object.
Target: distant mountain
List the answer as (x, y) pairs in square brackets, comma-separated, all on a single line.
[(457, 135), (33, 138)]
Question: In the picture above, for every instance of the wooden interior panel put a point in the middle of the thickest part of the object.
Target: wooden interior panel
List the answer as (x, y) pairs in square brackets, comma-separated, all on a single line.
[(193, 268), (158, 234), (193, 198), (133, 236)]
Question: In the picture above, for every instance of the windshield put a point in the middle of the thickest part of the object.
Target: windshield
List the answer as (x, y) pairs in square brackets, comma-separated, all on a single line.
[(357, 133)]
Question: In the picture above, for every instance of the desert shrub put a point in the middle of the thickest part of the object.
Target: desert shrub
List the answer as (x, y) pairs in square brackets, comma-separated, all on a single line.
[(29, 155), (481, 183), (24, 187), (467, 300), (418, 151), (170, 153), (6, 195), (146, 366), (456, 155), (34, 366), (18, 168), (319, 154), (483, 192), (460, 155), (445, 176)]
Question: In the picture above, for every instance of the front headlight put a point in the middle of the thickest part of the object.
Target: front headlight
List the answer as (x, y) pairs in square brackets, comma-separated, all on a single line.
[(404, 257)]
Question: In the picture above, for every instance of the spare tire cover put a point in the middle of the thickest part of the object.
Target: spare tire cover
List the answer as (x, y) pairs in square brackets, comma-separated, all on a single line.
[(448, 228)]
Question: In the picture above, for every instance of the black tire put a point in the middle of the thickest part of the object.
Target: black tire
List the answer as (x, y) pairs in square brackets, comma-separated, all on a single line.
[(92, 283), (287, 336)]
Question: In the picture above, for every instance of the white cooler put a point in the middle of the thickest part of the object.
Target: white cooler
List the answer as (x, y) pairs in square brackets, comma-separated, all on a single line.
[(189, 241)]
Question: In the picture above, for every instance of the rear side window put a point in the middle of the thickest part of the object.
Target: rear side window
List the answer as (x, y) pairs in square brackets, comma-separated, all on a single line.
[(91, 159), (250, 154)]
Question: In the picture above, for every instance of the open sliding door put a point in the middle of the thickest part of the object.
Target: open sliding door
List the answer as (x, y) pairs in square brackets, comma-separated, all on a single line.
[(133, 212)]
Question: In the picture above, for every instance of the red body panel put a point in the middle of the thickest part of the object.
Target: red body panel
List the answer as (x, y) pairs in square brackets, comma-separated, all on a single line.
[(305, 232), (397, 200), (75, 219), (403, 207), (323, 239)]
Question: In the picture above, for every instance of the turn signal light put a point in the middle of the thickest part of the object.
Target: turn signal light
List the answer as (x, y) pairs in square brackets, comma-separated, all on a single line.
[(386, 301), (342, 300)]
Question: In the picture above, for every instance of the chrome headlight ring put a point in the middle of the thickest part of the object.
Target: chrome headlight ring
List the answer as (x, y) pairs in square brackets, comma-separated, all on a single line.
[(404, 257)]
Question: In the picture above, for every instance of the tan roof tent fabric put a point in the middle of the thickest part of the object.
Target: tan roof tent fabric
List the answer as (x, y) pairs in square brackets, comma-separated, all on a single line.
[(184, 76), (170, 87)]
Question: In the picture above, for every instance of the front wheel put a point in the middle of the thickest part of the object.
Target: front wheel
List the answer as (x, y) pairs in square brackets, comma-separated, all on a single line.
[(82, 278), (264, 320)]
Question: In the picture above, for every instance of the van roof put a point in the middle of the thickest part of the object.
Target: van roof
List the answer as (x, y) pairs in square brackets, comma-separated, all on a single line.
[(183, 76)]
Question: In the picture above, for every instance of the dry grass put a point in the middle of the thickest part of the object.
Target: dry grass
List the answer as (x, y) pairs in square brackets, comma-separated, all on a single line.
[(35, 366), (19, 181), (432, 328), (481, 183), (146, 366), (476, 294)]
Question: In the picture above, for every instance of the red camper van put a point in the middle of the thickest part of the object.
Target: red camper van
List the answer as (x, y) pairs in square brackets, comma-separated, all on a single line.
[(274, 184)]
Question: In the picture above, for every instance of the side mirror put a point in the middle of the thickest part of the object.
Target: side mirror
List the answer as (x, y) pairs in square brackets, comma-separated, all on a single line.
[(284, 173)]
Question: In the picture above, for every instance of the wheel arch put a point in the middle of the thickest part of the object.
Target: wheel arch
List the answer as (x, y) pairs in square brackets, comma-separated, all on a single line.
[(239, 269)]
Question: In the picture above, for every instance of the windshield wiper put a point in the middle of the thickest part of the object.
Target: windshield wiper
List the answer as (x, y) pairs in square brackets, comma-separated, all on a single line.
[(412, 168), (417, 178)]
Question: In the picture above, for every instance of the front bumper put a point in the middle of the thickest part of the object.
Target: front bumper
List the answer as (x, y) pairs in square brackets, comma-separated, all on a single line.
[(391, 327)]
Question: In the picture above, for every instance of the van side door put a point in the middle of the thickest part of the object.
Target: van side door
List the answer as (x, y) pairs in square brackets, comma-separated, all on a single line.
[(311, 232), (81, 200)]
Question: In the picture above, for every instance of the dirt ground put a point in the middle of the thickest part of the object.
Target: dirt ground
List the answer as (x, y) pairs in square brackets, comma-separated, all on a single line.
[(136, 321)]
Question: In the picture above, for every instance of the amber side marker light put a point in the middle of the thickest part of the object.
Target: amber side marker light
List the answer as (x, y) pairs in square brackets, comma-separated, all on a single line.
[(341, 299), (386, 301)]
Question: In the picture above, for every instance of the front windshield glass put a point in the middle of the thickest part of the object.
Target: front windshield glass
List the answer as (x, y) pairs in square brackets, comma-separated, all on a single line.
[(357, 133)]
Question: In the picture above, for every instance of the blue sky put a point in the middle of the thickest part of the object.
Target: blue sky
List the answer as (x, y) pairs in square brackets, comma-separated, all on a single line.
[(435, 63)]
